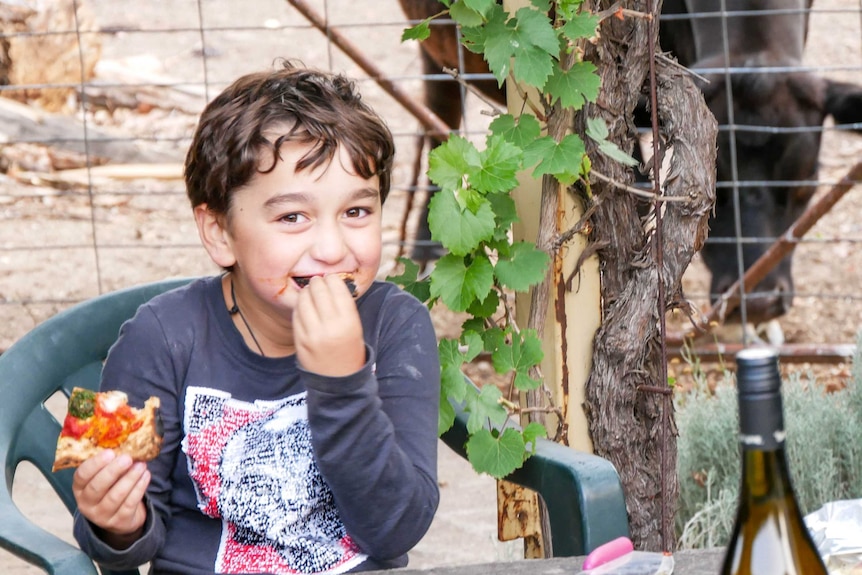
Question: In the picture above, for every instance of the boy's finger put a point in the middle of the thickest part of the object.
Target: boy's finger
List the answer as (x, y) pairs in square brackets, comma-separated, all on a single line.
[(130, 504), (92, 467), (109, 475), (120, 493)]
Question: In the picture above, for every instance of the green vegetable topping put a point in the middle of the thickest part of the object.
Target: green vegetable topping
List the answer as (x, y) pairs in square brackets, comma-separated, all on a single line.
[(82, 404)]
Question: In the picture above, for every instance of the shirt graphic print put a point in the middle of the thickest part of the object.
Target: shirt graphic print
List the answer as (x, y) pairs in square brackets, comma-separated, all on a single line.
[(253, 468)]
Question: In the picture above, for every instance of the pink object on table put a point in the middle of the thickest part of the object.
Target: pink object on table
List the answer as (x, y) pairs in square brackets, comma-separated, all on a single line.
[(608, 552)]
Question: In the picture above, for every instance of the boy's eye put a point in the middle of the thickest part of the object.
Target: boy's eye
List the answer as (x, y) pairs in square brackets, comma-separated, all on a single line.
[(292, 218), (356, 212)]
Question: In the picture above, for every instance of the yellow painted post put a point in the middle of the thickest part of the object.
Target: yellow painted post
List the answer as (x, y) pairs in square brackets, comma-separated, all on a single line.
[(568, 337)]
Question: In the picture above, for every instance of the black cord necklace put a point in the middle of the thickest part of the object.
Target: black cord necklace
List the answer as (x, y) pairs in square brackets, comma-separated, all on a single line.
[(235, 310)]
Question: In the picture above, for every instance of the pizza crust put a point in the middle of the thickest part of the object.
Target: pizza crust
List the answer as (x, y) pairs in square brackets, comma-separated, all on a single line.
[(143, 444)]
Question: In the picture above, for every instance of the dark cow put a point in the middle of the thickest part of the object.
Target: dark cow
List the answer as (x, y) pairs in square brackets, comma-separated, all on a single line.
[(767, 162), (767, 93)]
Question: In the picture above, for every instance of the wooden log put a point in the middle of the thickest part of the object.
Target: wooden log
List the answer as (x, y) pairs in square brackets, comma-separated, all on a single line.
[(128, 84), (42, 47), (78, 177), (21, 123)]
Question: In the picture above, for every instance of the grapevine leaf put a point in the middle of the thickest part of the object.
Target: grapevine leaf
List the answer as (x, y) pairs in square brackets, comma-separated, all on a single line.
[(520, 131), (568, 8), (420, 31), (445, 415), (538, 149), (474, 344), (533, 431), (500, 162), (481, 6), (531, 350), (452, 382), (563, 160), (528, 38), (524, 267), (475, 324), (484, 407), (537, 30), (502, 124), (464, 14), (505, 213), (451, 161), (613, 151), (420, 289), (523, 381), (496, 456), (533, 67), (520, 355), (581, 25), (471, 199), (541, 5), (494, 338), (597, 129), (535, 48), (459, 229), (502, 358), (485, 308), (448, 352), (493, 41), (458, 285), (575, 86)]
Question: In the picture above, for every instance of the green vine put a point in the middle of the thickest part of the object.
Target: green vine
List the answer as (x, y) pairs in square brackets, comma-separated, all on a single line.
[(473, 212)]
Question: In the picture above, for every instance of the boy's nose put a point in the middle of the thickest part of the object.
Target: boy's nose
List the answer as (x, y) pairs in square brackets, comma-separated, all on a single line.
[(329, 245)]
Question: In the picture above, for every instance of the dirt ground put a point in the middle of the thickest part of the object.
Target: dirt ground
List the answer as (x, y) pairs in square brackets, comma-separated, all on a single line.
[(63, 243)]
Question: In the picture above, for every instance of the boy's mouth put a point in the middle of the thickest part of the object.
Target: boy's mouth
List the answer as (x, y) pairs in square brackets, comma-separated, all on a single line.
[(302, 281)]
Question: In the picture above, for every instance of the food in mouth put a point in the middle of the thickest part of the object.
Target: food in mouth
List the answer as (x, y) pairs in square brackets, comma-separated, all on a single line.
[(302, 281)]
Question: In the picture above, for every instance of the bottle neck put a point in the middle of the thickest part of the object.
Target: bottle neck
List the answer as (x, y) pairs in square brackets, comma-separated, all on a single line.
[(761, 437), (761, 422)]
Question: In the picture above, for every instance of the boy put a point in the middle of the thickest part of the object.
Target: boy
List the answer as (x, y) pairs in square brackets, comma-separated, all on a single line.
[(300, 424)]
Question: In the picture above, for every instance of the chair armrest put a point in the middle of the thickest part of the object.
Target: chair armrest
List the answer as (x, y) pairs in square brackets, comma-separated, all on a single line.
[(36, 546), (582, 492)]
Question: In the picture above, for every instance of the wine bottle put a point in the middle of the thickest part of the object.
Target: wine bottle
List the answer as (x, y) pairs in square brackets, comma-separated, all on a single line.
[(769, 536)]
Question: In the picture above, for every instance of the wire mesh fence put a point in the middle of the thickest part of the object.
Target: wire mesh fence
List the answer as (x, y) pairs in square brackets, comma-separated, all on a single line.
[(91, 196), (101, 99)]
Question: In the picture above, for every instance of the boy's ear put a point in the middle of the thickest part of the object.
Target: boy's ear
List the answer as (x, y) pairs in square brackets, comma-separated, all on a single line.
[(212, 229)]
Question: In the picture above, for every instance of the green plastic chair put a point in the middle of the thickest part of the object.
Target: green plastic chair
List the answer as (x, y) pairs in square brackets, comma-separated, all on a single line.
[(582, 492)]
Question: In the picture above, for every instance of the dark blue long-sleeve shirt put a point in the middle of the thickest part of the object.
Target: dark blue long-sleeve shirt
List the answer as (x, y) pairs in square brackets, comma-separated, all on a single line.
[(269, 468)]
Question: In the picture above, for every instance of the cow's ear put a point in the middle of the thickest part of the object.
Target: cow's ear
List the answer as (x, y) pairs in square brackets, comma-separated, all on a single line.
[(844, 102)]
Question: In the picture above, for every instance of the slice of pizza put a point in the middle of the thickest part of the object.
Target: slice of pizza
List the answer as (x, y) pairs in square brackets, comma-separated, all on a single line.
[(104, 420)]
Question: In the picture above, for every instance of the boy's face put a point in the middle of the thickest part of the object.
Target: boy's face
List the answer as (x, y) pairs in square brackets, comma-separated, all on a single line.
[(285, 225)]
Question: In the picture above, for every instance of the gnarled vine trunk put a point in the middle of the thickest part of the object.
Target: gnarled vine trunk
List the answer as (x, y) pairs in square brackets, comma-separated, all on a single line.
[(628, 401)]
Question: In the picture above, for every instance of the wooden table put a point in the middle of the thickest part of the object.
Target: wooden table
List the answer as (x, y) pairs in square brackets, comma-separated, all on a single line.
[(700, 562)]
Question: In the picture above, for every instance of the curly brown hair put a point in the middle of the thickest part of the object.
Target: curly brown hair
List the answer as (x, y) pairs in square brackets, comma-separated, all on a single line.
[(312, 106)]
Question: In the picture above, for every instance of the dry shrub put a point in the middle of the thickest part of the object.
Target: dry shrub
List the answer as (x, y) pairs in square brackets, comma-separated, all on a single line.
[(824, 450)]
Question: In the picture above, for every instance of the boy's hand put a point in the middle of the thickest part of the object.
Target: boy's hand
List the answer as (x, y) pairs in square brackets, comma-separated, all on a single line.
[(327, 330), (110, 492)]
